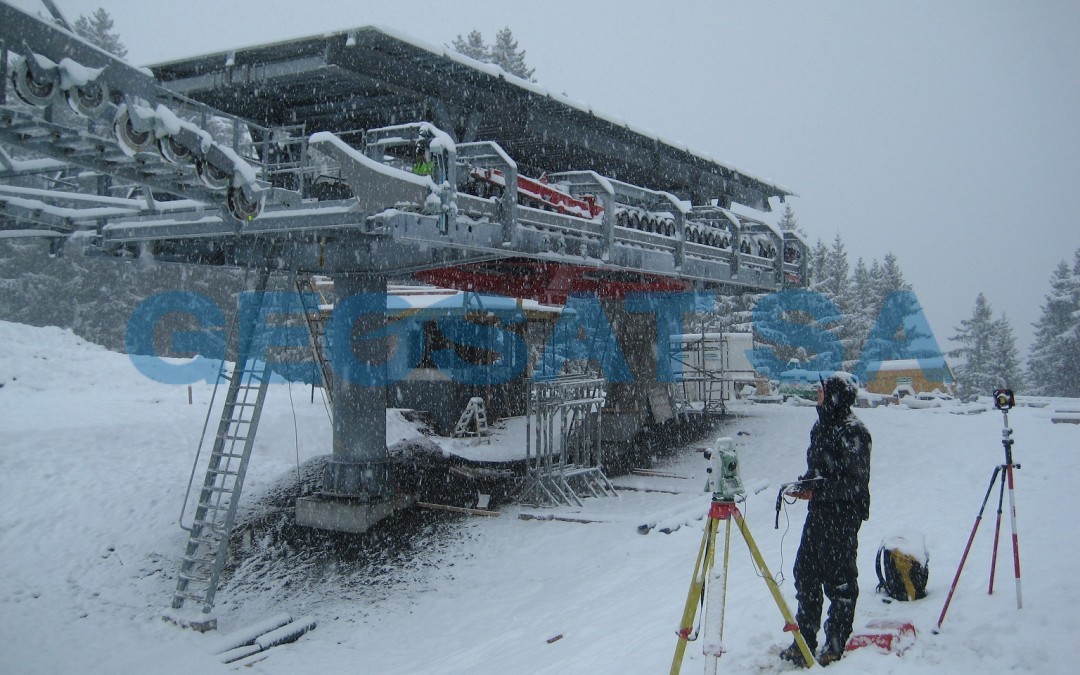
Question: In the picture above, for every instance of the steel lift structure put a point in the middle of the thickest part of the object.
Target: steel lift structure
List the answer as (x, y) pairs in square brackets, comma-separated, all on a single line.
[(252, 158)]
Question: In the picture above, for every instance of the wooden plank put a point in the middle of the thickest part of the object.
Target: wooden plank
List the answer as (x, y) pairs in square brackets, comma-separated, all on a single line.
[(656, 473), (248, 634), (638, 489), (457, 509), (547, 516)]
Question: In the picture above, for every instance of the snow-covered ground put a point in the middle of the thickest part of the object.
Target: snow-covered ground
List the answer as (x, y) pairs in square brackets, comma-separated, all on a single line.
[(94, 460)]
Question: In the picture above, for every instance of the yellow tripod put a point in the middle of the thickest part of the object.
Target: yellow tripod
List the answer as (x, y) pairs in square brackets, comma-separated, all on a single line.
[(700, 589)]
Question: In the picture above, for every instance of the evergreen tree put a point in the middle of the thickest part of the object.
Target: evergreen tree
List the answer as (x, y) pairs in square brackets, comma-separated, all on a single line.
[(836, 287), (976, 375), (836, 272), (97, 29), (825, 264), (863, 309), (877, 279), (505, 54), (1004, 356), (738, 312), (819, 256), (473, 46), (892, 279), (787, 221), (1055, 355)]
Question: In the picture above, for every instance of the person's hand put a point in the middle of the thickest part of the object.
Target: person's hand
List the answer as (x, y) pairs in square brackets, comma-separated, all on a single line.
[(800, 492)]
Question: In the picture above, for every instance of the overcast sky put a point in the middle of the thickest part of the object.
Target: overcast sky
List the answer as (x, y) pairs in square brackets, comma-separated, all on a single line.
[(946, 132)]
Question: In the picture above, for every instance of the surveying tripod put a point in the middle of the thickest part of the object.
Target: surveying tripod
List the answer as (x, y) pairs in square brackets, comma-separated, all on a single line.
[(1003, 401), (724, 508)]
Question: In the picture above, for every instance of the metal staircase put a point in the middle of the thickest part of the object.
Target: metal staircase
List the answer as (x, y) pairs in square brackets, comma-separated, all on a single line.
[(208, 543), (315, 317)]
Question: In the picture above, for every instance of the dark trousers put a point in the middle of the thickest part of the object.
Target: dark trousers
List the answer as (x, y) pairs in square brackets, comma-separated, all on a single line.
[(827, 562)]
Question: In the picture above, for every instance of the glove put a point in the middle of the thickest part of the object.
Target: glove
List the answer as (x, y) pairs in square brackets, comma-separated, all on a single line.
[(800, 493), (801, 489)]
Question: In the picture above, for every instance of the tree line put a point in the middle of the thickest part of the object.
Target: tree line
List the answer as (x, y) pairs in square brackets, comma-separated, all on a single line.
[(987, 357), (503, 52)]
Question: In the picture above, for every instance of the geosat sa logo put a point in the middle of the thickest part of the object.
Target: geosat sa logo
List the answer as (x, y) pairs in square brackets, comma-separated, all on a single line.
[(367, 349)]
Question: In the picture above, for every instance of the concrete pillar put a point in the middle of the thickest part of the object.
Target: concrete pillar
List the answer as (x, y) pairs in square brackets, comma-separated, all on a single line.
[(627, 403), (359, 466), (359, 487)]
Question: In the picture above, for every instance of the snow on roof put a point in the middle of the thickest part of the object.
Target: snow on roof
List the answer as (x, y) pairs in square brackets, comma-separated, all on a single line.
[(561, 98), (906, 364), (493, 70), (698, 337)]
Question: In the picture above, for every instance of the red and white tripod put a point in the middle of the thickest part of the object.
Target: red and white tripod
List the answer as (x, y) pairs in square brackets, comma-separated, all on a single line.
[(1003, 401)]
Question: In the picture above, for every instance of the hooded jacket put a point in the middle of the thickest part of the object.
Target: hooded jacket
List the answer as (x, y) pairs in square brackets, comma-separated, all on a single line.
[(839, 452)]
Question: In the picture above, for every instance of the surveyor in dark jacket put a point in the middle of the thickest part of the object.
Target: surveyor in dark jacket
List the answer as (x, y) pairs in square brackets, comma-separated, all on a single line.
[(837, 485)]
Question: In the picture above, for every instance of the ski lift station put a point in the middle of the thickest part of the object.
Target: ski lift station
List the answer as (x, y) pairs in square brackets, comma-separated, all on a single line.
[(347, 161)]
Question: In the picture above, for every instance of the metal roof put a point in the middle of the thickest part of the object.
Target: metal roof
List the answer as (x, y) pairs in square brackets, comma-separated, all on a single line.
[(371, 77)]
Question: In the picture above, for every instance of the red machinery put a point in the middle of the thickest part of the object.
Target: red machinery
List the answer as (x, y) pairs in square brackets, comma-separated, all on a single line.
[(538, 194)]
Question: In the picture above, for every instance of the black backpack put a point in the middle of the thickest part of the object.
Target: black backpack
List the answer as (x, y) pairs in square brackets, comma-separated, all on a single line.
[(901, 575)]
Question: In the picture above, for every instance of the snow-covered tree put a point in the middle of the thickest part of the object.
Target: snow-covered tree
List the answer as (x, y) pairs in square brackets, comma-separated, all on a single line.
[(97, 29), (1005, 357), (862, 310), (836, 286), (473, 46), (819, 256), (1055, 355), (892, 279), (836, 268), (788, 222), (976, 375), (829, 269), (505, 54), (736, 312)]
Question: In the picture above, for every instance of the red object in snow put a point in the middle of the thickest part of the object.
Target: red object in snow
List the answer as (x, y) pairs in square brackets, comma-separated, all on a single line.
[(892, 636)]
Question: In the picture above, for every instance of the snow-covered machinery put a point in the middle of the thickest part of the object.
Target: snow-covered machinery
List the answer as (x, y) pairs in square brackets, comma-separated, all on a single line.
[(96, 111), (236, 177), (535, 193)]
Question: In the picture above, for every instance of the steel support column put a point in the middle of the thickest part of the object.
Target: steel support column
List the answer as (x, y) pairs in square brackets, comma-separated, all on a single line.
[(359, 465), (359, 487), (628, 402)]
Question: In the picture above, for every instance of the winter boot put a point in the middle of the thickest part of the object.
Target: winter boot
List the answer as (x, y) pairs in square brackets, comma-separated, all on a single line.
[(795, 655), (832, 652)]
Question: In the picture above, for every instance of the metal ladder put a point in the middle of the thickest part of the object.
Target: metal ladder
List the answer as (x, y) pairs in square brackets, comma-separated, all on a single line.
[(208, 543), (475, 415), (315, 318)]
